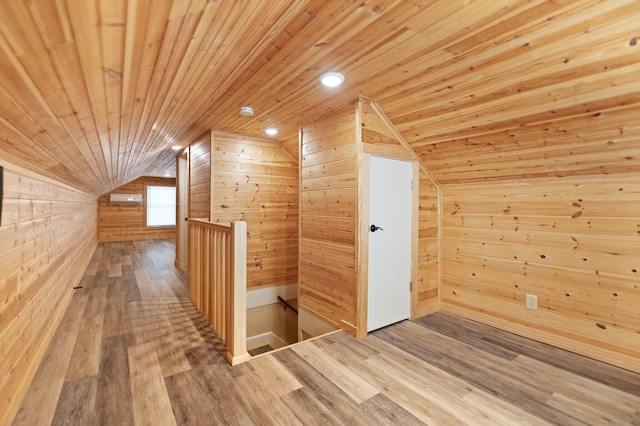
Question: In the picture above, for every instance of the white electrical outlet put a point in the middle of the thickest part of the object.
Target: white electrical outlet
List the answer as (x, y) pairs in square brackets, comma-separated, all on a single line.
[(531, 302)]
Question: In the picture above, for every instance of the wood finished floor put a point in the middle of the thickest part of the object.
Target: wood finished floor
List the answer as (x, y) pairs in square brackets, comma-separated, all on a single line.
[(132, 349)]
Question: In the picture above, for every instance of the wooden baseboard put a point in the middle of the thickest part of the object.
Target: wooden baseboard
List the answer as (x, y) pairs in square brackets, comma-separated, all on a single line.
[(350, 329), (313, 323), (426, 310), (601, 354), (238, 359)]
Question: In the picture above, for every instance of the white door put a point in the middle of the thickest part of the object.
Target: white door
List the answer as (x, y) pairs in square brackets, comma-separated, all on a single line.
[(390, 201)]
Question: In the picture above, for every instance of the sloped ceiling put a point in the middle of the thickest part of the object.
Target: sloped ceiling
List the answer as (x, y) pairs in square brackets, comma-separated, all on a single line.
[(94, 93)]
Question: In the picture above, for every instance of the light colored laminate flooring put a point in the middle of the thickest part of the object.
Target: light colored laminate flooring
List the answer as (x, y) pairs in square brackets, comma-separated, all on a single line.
[(132, 350)]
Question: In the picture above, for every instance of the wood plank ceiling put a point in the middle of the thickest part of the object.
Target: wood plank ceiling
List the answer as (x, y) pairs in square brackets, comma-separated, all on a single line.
[(94, 93)]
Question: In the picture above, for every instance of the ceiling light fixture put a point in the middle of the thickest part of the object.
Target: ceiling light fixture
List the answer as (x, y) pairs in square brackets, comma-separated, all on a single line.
[(176, 147), (271, 131), (331, 79), (247, 111)]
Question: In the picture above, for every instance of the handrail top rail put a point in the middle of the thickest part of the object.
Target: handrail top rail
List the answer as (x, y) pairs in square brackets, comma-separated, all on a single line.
[(224, 227)]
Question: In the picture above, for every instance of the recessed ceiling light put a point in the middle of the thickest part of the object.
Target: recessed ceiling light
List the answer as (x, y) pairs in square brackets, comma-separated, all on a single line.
[(331, 79), (271, 131), (247, 111), (176, 147)]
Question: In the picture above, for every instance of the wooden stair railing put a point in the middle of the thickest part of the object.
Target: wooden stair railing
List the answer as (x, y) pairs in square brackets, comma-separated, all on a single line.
[(218, 281)]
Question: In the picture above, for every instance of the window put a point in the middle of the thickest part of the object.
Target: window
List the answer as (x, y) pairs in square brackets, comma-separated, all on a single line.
[(161, 206)]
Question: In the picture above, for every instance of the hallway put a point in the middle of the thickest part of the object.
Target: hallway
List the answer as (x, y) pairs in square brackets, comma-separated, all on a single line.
[(132, 349)]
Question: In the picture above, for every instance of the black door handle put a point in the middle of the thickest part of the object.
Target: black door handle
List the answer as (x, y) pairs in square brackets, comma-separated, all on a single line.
[(374, 228)]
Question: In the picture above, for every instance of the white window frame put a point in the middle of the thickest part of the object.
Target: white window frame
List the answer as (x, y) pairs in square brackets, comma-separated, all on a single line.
[(166, 205)]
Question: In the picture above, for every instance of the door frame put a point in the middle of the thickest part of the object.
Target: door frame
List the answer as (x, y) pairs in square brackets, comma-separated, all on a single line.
[(362, 241), (182, 206)]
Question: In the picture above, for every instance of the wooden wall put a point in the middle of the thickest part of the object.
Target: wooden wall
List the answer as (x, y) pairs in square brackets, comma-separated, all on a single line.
[(330, 274), (200, 178), (255, 180), (291, 145), (573, 242), (47, 238), (121, 222), (327, 280)]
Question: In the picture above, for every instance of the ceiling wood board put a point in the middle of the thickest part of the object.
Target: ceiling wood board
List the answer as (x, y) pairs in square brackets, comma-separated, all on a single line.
[(94, 94)]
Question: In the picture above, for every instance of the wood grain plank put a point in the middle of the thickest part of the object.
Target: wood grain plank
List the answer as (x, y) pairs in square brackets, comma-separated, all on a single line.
[(267, 406), (114, 395), (322, 391), (188, 401), (85, 360), (153, 405), (77, 402), (351, 384)]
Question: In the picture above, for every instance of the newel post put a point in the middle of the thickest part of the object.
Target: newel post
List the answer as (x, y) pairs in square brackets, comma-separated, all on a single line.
[(238, 313)]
